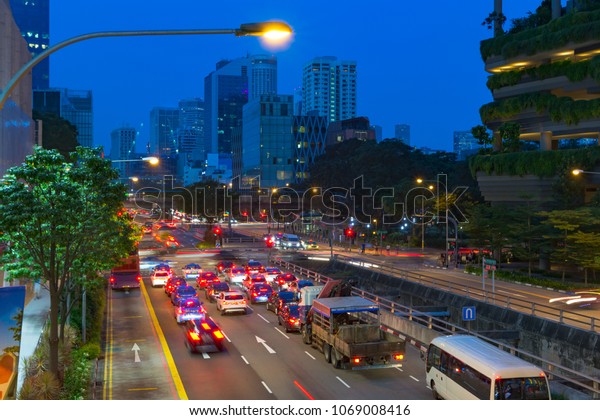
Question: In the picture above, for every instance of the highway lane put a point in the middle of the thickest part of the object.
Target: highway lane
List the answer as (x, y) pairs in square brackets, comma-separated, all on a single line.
[(247, 370)]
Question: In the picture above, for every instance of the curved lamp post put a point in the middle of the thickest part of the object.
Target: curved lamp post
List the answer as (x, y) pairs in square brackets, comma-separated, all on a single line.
[(152, 160), (271, 30), (444, 183), (581, 171)]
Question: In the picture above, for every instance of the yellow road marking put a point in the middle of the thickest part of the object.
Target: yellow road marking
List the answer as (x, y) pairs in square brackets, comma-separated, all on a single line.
[(135, 341), (142, 389), (163, 342)]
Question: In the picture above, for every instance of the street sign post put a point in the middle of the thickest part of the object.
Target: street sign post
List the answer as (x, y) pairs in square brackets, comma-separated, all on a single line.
[(487, 265), (468, 313)]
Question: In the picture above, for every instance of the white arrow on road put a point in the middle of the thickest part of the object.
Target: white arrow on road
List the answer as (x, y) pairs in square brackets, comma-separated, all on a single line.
[(261, 341), (136, 349)]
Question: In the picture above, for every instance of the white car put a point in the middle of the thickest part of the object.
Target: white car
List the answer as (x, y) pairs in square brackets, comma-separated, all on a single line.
[(232, 301), (235, 275), (159, 277), (271, 272)]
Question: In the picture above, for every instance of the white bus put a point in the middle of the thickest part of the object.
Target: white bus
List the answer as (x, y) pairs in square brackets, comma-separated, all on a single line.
[(463, 367)]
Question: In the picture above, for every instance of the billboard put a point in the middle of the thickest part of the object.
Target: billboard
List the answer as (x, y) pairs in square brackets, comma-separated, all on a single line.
[(12, 302)]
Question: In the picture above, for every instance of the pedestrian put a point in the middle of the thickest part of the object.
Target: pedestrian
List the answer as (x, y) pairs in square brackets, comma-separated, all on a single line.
[(363, 246)]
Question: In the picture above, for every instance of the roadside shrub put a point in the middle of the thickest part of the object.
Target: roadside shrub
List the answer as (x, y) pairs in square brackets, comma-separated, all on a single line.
[(77, 376)]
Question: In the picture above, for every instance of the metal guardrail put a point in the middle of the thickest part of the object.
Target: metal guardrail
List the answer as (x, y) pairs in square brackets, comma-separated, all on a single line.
[(584, 382), (498, 298)]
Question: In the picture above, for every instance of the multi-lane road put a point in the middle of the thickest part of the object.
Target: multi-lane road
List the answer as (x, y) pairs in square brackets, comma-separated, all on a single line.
[(260, 360)]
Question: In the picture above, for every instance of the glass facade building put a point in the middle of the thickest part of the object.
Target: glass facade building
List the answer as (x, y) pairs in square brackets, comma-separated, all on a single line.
[(164, 126), (33, 20), (310, 137)]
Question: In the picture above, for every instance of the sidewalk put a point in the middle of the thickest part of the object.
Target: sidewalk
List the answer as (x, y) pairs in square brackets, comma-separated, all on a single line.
[(35, 316)]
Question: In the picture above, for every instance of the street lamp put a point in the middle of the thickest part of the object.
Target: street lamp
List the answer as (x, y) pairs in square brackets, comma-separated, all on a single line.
[(581, 171), (152, 160), (445, 184), (420, 181), (273, 30)]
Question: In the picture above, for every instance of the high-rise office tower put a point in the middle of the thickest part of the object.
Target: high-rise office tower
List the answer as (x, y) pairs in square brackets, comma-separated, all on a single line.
[(33, 20), (263, 76), (268, 146), (225, 93), (329, 88), (190, 138), (16, 126), (122, 148), (74, 106), (402, 133), (310, 136), (164, 125)]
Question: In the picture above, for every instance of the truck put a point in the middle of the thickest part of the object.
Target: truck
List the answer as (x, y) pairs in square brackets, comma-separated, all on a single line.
[(127, 275), (347, 329)]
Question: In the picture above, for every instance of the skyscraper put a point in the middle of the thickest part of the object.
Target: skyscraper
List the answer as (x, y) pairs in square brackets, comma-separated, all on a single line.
[(310, 136), (122, 148), (164, 125), (227, 90), (33, 20), (190, 137), (16, 126), (402, 133), (74, 106), (329, 88), (263, 77)]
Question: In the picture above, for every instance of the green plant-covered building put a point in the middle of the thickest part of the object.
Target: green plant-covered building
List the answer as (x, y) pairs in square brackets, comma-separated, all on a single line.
[(545, 73)]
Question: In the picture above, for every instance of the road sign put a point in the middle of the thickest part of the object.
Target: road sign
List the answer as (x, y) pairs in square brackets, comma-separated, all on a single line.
[(490, 265), (468, 313)]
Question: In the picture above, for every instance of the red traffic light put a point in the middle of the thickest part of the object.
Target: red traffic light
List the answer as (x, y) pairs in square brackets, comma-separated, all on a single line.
[(245, 213), (349, 233), (217, 230), (270, 242)]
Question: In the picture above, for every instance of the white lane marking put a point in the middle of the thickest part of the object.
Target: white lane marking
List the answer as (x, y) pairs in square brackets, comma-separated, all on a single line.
[(245, 361), (264, 319), (399, 369), (310, 355), (265, 385), (263, 342), (205, 356), (340, 379), (282, 333), (412, 377)]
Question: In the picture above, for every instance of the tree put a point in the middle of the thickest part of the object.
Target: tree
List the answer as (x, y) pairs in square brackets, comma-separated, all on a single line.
[(63, 220), (57, 133), (481, 133), (495, 20), (509, 132), (487, 227)]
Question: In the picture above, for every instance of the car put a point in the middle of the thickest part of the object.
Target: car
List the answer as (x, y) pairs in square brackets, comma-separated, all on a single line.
[(188, 309), (146, 230), (580, 299), (296, 285), (192, 270), (203, 336), (235, 275), (173, 283), (222, 265), (284, 279), (252, 279), (205, 278), (310, 244), (277, 300), (213, 289), (290, 241), (254, 266), (232, 301), (183, 292), (271, 273), (160, 277), (259, 293), (289, 317)]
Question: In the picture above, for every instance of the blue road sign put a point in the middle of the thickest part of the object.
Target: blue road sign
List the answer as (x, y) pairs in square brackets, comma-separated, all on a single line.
[(468, 313)]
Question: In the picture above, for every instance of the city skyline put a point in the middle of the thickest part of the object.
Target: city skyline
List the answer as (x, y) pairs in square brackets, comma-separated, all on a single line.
[(427, 75)]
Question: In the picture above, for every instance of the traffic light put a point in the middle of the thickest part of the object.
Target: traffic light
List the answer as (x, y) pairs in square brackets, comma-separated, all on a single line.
[(350, 233), (217, 230), (270, 242), (245, 213)]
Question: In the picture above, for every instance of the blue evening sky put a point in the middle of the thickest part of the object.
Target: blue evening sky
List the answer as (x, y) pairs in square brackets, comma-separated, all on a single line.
[(418, 63)]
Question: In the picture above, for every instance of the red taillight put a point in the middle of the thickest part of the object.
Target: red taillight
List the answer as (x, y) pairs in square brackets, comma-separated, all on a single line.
[(294, 320), (205, 326), (112, 280), (179, 311), (194, 336), (139, 279), (254, 294), (218, 335), (398, 356), (356, 360)]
